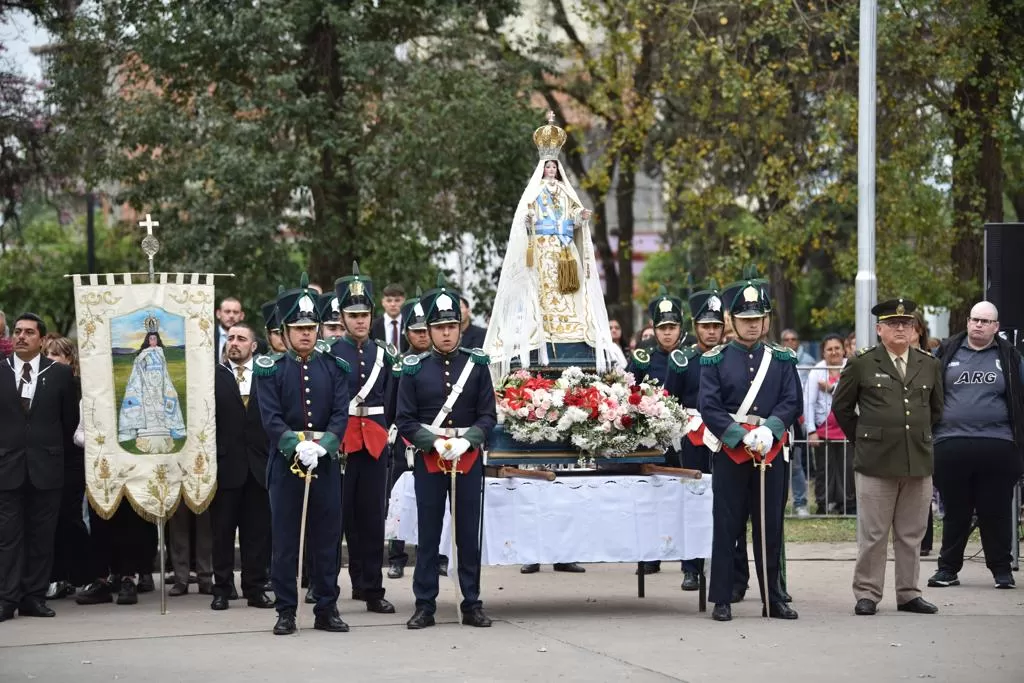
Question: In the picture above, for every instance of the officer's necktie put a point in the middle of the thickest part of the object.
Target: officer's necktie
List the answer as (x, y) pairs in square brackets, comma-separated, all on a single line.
[(240, 375), (26, 378), (394, 333), (899, 367)]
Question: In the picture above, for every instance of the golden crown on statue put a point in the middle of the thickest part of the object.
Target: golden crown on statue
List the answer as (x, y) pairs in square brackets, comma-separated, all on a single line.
[(151, 323), (549, 139)]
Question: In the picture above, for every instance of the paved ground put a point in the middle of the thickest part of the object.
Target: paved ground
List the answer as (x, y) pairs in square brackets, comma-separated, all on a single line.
[(547, 627)]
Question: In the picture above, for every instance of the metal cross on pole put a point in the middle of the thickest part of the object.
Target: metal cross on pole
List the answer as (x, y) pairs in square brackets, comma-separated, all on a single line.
[(150, 244)]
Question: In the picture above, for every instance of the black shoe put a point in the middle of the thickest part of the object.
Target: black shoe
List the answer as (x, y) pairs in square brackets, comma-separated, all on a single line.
[(570, 567), (129, 594), (59, 590), (285, 625), (330, 622), (396, 571), (259, 600), (268, 587), (146, 584), (380, 606), (310, 599), (780, 610), (476, 617), (529, 569), (649, 567), (786, 597), (95, 593), (918, 606), (865, 607), (943, 578), (722, 612), (690, 581), (34, 607), (442, 569), (177, 590), (233, 595), (219, 602), (7, 612), (1003, 580), (420, 619), (738, 593), (925, 552)]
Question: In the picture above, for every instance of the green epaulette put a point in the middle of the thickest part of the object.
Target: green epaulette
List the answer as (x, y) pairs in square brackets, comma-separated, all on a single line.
[(396, 369), (712, 356), (266, 365), (342, 363), (390, 353), (783, 353), (323, 346), (411, 363), (920, 350), (865, 350), (641, 359), (476, 355), (680, 359)]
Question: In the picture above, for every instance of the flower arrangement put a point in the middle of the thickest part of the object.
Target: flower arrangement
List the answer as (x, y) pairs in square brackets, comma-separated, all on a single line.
[(606, 415)]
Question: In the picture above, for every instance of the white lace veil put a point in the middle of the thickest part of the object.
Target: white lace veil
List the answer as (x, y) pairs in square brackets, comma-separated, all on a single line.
[(515, 327)]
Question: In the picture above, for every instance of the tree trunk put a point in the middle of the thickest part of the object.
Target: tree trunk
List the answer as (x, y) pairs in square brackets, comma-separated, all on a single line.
[(625, 190), (977, 181)]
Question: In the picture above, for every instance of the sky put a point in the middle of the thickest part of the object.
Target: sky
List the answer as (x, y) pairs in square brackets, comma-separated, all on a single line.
[(128, 331), (18, 33)]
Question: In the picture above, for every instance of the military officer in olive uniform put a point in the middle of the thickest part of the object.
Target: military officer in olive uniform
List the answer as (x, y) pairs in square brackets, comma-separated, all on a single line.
[(749, 396), (887, 400), (364, 488), (446, 410), (666, 362), (304, 400)]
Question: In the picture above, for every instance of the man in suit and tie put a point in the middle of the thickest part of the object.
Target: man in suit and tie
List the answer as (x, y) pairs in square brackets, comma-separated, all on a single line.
[(472, 335), (388, 328), (38, 415), (241, 502), (228, 313)]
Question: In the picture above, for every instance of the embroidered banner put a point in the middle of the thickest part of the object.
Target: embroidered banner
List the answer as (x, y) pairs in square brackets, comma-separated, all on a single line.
[(147, 366)]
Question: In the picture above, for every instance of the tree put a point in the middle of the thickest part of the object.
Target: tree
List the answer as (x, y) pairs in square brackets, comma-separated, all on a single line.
[(298, 134)]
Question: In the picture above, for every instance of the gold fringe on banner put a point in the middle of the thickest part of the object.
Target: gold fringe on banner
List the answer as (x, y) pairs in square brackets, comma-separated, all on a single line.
[(529, 252), (568, 275)]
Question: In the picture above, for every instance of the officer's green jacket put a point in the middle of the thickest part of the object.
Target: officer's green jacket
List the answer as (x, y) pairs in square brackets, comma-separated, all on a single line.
[(888, 419)]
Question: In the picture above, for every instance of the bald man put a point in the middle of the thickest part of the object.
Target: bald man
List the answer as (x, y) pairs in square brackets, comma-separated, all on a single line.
[(978, 445)]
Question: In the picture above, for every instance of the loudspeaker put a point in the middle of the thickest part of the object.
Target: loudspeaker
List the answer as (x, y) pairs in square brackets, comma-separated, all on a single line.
[(1004, 276)]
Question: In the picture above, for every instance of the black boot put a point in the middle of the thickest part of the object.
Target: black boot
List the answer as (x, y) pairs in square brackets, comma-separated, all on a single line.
[(95, 593), (330, 621), (476, 617), (420, 619), (285, 625), (722, 612)]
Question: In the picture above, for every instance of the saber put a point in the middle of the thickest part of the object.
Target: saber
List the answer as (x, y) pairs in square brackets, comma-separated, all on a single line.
[(763, 465), (308, 476)]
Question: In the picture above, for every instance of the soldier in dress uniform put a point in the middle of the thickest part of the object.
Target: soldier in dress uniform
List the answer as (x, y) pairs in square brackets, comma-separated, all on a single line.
[(666, 362), (365, 485), (304, 400), (749, 396), (274, 339), (331, 324), (446, 410)]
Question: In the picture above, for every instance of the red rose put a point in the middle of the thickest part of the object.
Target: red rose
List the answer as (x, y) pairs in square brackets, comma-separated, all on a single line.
[(627, 421), (634, 399)]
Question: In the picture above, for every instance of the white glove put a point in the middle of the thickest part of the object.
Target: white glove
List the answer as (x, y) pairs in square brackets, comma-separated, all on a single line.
[(309, 453), (439, 443), (459, 446), (764, 438), (750, 440), (392, 435)]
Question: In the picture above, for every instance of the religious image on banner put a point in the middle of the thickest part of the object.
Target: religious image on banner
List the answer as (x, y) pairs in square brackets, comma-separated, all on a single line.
[(147, 371), (148, 349)]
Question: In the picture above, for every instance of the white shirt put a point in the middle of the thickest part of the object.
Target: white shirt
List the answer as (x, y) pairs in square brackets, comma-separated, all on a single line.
[(246, 384), (389, 330), (29, 390), (817, 401)]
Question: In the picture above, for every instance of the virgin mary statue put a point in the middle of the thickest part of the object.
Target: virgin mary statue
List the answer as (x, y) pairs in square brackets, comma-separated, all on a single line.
[(549, 298), (150, 412)]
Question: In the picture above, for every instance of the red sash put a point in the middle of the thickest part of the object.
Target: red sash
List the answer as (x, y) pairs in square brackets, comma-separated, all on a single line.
[(696, 437), (740, 454), (435, 464), (362, 432)]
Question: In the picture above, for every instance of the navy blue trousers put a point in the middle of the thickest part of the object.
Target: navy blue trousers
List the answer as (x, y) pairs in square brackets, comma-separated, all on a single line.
[(323, 533), (363, 497), (737, 498), (431, 499), (694, 458)]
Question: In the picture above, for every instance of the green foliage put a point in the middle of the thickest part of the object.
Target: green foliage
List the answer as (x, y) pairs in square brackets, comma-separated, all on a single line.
[(32, 268)]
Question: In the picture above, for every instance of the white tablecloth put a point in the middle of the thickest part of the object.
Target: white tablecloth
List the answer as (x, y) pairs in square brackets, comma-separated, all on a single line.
[(579, 519)]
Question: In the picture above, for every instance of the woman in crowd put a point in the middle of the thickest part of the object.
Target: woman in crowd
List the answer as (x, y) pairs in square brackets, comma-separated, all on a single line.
[(833, 466), (919, 339)]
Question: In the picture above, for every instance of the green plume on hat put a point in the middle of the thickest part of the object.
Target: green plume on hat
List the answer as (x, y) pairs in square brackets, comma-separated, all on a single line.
[(304, 280), (355, 268)]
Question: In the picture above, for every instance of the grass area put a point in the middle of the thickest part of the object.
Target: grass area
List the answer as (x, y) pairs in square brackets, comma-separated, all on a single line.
[(838, 530), (175, 368)]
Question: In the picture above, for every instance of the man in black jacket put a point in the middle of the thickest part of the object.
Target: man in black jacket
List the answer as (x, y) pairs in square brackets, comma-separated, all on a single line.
[(978, 445), (38, 415), (241, 502)]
